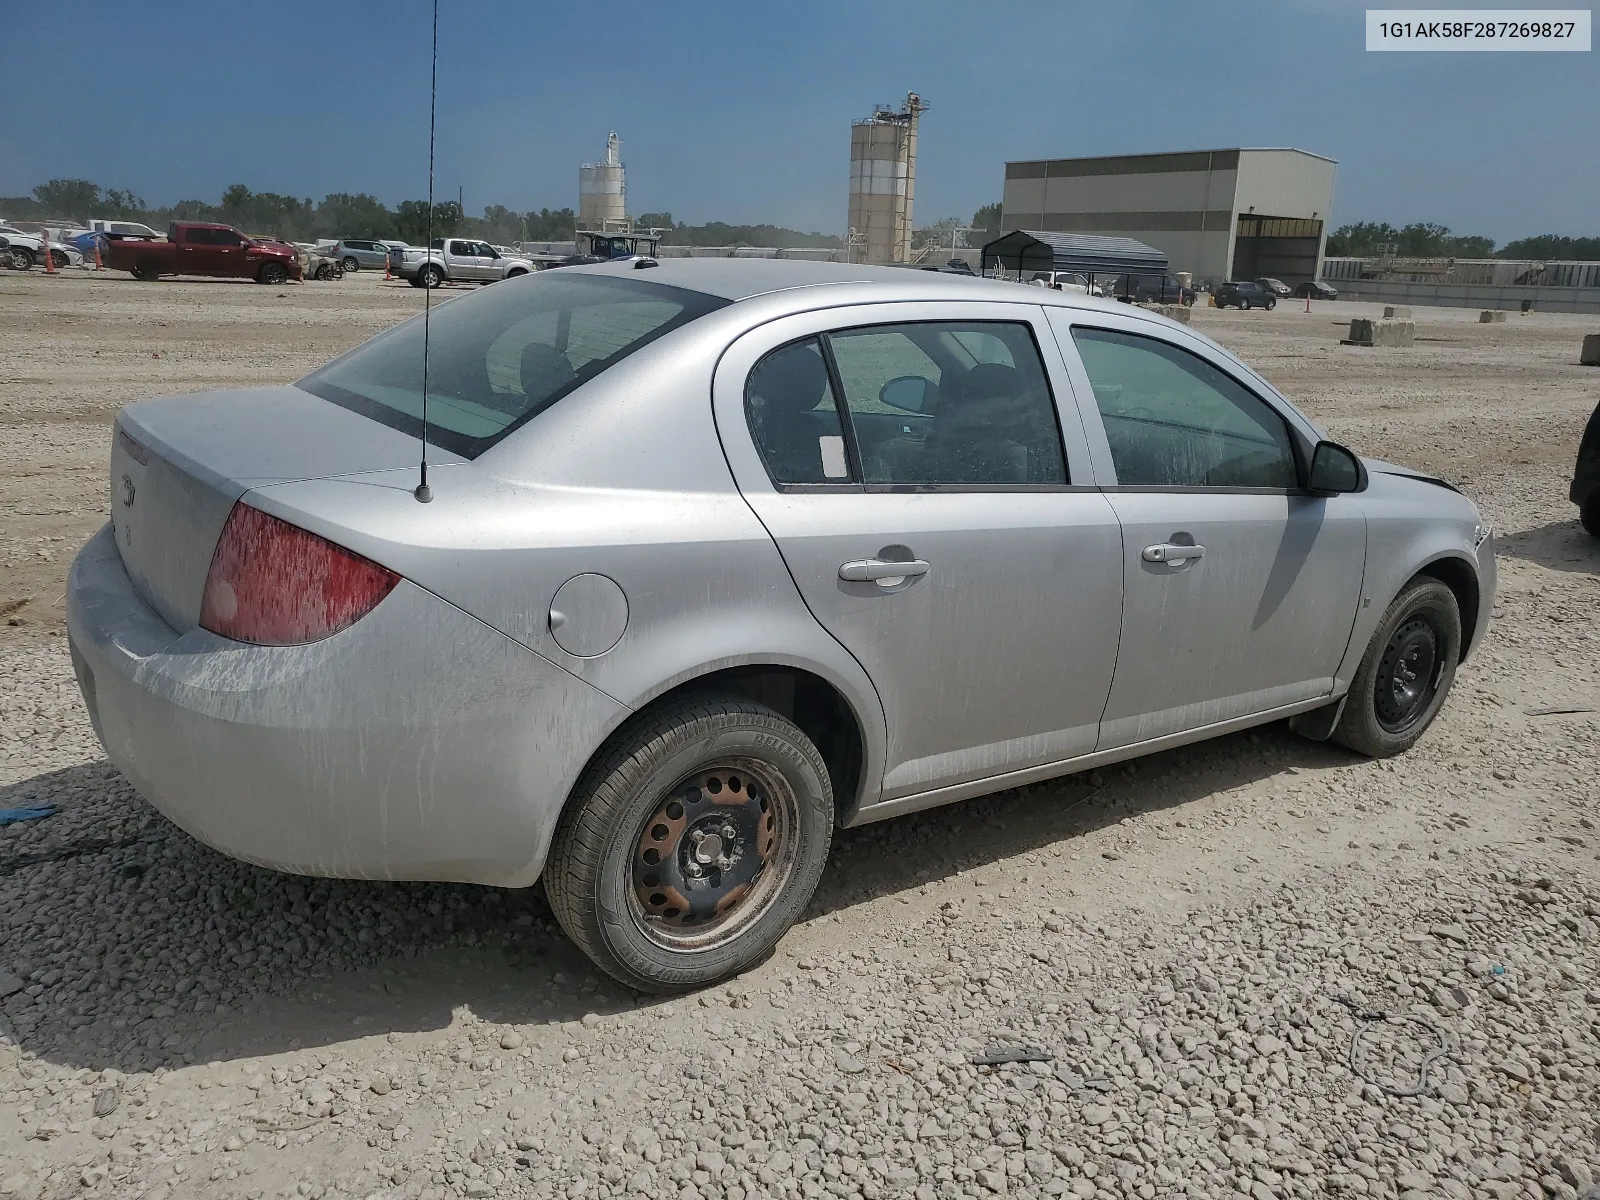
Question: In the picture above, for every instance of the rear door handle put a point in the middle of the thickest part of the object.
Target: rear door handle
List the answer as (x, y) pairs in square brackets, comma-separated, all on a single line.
[(1171, 552), (867, 569)]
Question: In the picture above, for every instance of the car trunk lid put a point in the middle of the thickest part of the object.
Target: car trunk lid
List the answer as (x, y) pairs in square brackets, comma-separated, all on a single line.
[(179, 464)]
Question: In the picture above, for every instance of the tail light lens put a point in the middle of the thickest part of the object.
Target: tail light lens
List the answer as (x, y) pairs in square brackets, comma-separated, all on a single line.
[(274, 584)]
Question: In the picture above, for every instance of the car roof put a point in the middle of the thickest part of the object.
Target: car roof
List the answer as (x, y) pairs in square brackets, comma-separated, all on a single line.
[(746, 278)]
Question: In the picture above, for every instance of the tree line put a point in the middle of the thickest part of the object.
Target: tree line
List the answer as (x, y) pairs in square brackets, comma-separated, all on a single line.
[(1368, 239), (359, 215)]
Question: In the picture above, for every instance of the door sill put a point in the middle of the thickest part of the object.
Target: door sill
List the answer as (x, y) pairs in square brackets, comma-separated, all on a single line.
[(918, 801)]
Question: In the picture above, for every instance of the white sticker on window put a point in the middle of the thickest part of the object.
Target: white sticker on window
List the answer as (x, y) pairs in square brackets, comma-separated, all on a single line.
[(833, 464)]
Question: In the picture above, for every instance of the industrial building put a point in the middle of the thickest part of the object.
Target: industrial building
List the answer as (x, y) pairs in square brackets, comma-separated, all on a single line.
[(1221, 214), (883, 182), (602, 190)]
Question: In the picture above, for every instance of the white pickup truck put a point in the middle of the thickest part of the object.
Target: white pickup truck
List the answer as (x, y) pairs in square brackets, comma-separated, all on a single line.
[(455, 260)]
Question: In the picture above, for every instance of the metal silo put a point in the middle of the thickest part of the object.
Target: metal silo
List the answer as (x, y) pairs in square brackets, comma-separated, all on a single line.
[(883, 180), (602, 194)]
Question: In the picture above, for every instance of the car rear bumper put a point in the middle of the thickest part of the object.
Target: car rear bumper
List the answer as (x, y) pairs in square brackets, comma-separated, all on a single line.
[(416, 744)]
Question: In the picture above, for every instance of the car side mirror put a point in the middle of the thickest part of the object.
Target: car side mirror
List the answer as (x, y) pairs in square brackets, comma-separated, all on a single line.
[(908, 393), (1335, 470)]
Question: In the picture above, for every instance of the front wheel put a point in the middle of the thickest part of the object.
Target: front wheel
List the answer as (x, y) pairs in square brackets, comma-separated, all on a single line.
[(1406, 672), (1270, 305), (692, 844), (272, 274), (1589, 515), (22, 258), (350, 265)]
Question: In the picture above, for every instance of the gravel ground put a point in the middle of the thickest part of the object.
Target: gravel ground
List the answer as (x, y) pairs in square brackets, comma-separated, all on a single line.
[(1195, 948)]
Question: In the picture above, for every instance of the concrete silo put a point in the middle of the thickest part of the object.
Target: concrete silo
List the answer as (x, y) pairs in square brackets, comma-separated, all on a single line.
[(883, 181), (602, 194)]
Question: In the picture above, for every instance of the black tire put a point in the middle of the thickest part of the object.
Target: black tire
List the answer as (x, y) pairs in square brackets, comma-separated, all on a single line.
[(324, 271), (514, 274), (1244, 302), (350, 264), (144, 273), (1589, 515), (1271, 304), (22, 258), (1406, 672), (429, 276), (272, 274), (604, 870)]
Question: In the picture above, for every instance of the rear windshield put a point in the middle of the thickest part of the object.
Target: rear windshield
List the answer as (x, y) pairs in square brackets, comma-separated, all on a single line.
[(500, 356)]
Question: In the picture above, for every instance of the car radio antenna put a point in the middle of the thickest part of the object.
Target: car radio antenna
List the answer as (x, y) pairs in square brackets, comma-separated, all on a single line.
[(424, 493)]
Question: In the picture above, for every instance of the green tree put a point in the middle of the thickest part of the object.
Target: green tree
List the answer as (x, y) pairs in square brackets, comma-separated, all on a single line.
[(1547, 246), (69, 198), (411, 220), (358, 215), (987, 218), (656, 220), (1364, 239), (120, 203), (937, 234)]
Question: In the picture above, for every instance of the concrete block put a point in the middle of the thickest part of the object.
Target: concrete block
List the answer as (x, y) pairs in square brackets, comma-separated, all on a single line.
[(1591, 350), (1392, 311), (1491, 316), (1366, 332), (1180, 313)]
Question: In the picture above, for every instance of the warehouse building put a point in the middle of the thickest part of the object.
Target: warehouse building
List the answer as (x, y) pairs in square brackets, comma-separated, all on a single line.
[(1222, 214)]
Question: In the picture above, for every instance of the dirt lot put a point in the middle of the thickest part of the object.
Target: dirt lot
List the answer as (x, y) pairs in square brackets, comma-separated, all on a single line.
[(1181, 936)]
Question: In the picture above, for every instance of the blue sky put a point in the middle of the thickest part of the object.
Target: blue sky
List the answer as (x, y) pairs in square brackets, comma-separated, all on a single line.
[(741, 111)]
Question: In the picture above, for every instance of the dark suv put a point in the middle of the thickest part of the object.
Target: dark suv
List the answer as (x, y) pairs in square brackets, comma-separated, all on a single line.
[(1151, 289), (1244, 294), (1586, 476)]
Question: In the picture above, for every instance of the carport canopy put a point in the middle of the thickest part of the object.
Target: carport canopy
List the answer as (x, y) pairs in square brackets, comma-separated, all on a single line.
[(1085, 253)]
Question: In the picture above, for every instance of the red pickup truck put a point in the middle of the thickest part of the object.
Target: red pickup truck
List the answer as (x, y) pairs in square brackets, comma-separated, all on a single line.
[(199, 248)]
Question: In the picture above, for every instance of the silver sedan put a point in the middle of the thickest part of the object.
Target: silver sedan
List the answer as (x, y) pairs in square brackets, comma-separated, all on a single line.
[(722, 555)]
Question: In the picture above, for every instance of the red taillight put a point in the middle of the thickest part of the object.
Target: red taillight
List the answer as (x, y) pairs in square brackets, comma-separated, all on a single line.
[(274, 584)]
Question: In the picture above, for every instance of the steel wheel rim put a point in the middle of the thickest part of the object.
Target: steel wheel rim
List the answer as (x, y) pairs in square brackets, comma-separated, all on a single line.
[(1408, 674), (739, 876)]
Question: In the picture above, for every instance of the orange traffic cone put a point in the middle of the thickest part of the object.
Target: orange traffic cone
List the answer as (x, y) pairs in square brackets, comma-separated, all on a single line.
[(49, 255), (98, 265)]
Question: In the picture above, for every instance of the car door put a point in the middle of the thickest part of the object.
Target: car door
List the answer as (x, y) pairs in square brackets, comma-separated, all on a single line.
[(197, 253), (1240, 588), (908, 461), (227, 253)]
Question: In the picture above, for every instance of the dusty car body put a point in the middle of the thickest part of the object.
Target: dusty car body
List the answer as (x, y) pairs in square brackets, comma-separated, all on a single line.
[(721, 554)]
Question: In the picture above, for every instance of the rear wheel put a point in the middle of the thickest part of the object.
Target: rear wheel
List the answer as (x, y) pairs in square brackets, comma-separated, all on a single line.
[(145, 273), (1271, 304), (692, 844), (1589, 514), (272, 274), (1406, 672), (350, 265), (430, 277)]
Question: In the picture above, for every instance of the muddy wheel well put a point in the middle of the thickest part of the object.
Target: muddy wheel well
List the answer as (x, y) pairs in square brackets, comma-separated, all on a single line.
[(1463, 581), (808, 700)]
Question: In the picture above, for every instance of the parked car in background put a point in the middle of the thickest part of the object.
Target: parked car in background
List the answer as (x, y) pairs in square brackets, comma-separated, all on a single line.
[(28, 250), (204, 248), (1063, 281), (1315, 289), (355, 253), (1244, 294), (1586, 476), (116, 230), (655, 652), (318, 261), (1151, 289), (456, 260), (1276, 286)]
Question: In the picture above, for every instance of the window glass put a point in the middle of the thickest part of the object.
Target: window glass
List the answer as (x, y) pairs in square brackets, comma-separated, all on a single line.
[(503, 354), (201, 237), (462, 248), (225, 237), (1173, 419), (953, 403), (794, 417)]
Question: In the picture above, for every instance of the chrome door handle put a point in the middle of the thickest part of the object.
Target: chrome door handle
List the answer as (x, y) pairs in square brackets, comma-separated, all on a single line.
[(867, 569), (1171, 552)]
